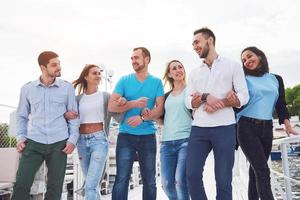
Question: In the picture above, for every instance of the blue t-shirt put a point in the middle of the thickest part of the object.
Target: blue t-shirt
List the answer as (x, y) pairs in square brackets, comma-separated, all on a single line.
[(131, 88), (263, 92)]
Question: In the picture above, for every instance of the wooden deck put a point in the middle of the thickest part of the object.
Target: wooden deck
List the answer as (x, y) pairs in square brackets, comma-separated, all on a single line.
[(239, 183)]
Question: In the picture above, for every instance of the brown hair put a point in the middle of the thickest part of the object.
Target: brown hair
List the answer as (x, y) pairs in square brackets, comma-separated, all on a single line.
[(45, 56), (145, 51), (169, 80), (206, 32), (80, 81)]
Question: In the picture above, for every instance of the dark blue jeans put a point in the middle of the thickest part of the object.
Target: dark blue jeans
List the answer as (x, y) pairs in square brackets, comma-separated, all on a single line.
[(202, 140), (173, 168), (127, 147), (255, 138)]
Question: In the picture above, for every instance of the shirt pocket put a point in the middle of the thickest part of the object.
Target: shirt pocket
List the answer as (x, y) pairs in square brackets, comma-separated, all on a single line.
[(36, 104), (58, 105)]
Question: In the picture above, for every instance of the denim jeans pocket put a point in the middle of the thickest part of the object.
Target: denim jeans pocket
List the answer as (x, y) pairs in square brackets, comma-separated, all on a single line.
[(100, 137)]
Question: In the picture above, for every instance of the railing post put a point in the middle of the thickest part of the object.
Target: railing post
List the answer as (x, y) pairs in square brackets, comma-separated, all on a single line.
[(286, 170)]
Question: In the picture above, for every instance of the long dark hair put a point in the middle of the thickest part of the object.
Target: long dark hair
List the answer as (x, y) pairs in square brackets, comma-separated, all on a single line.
[(263, 66), (80, 81)]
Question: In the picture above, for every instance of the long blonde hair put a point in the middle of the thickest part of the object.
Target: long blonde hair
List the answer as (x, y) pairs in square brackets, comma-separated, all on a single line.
[(168, 79)]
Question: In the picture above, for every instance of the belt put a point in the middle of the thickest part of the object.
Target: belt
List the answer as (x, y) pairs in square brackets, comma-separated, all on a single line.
[(259, 122)]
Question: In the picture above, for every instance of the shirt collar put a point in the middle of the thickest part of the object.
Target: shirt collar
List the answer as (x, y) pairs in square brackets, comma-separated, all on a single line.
[(39, 83), (216, 60)]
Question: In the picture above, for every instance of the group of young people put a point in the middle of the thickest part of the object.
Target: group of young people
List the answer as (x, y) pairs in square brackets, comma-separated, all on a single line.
[(196, 116)]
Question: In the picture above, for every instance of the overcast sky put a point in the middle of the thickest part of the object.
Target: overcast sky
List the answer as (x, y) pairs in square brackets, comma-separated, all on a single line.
[(106, 31)]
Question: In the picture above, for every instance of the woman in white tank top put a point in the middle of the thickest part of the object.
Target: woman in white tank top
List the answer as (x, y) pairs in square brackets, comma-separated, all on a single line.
[(94, 123)]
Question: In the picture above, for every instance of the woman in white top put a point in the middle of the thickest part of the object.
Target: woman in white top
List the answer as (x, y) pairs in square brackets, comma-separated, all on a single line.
[(94, 125)]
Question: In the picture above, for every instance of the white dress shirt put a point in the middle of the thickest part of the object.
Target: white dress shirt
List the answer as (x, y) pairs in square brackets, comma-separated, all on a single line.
[(224, 75)]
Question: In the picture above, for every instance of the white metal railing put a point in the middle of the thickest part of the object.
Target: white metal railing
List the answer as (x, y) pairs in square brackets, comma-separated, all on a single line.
[(284, 143)]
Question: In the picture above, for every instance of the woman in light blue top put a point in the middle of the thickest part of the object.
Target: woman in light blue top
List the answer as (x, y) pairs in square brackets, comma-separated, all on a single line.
[(176, 130), (255, 127)]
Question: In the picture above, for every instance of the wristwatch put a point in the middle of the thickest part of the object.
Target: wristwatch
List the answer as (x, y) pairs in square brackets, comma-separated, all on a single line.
[(204, 97), (143, 119)]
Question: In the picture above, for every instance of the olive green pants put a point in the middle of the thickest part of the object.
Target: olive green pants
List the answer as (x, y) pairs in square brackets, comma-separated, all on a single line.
[(32, 158)]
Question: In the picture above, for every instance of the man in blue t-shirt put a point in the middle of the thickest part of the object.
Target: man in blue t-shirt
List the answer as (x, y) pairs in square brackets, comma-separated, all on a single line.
[(144, 102)]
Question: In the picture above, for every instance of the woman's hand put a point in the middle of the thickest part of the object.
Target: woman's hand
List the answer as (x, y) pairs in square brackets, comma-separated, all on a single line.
[(71, 115), (288, 128)]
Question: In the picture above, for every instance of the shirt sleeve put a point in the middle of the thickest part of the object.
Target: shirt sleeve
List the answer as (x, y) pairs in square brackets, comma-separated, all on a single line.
[(240, 85), (190, 90), (22, 115), (73, 124), (160, 89), (119, 89), (280, 107)]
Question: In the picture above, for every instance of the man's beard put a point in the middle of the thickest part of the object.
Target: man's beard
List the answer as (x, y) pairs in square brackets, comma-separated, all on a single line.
[(55, 74), (139, 67), (205, 51)]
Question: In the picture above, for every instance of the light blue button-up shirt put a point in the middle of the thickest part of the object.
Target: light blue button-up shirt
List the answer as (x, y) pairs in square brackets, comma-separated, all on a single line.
[(40, 114)]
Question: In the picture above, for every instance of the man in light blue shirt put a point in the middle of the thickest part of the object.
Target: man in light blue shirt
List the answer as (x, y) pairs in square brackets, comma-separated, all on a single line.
[(43, 134)]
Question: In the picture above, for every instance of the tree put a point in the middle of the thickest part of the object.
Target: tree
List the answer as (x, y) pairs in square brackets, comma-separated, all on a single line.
[(292, 96), (5, 139)]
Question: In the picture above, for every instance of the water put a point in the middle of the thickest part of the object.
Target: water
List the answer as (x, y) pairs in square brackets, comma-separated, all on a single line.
[(294, 166)]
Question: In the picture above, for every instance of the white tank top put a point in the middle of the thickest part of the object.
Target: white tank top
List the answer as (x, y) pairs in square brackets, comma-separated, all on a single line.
[(91, 108)]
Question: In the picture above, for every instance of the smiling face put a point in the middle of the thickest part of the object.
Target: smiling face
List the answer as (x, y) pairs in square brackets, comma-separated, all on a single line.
[(138, 61), (250, 60), (176, 71), (94, 76), (200, 45), (52, 69)]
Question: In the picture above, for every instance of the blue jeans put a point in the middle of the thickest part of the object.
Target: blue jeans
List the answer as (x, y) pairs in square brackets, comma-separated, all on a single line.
[(173, 168), (202, 140), (127, 147), (255, 138), (93, 151)]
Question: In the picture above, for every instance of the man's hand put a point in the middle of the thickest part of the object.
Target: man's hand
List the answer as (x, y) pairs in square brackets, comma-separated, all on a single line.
[(231, 99), (211, 100), (134, 120), (121, 101), (21, 146), (196, 100), (141, 102), (209, 109), (71, 115), (69, 148), (213, 104), (146, 113)]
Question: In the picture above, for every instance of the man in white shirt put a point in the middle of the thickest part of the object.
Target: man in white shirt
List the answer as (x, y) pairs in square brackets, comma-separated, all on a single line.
[(213, 88)]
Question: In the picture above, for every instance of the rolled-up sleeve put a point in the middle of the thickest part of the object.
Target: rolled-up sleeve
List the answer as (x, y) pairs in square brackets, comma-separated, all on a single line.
[(73, 124), (240, 85), (190, 90), (22, 115)]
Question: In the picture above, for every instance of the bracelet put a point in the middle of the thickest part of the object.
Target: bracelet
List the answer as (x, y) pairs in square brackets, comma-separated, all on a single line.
[(204, 97), (143, 119)]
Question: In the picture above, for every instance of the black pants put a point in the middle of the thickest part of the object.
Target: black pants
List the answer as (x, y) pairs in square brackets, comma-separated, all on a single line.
[(255, 138)]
